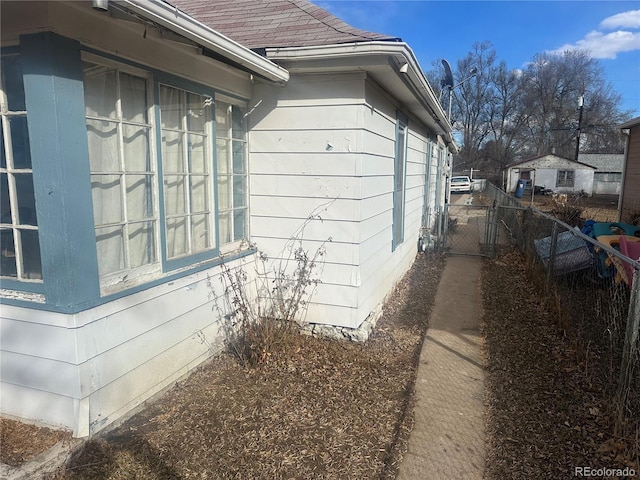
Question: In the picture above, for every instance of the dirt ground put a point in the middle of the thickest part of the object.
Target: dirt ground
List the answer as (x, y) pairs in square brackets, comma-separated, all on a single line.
[(340, 410)]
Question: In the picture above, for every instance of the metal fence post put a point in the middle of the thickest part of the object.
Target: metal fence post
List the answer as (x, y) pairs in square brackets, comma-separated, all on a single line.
[(631, 346)]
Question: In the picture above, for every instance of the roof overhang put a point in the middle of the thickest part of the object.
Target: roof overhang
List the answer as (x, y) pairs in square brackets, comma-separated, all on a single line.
[(175, 20), (393, 65), (634, 122)]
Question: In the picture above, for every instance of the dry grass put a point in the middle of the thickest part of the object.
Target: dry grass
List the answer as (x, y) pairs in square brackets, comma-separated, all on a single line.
[(330, 410)]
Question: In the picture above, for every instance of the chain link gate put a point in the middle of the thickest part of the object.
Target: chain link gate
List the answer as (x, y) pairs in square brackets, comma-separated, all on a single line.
[(469, 229)]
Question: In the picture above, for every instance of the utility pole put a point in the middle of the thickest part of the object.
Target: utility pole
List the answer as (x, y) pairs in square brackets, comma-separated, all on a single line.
[(580, 109)]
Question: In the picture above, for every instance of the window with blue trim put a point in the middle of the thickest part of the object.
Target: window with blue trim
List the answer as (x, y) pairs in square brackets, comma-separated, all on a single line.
[(19, 240), (154, 145), (399, 180)]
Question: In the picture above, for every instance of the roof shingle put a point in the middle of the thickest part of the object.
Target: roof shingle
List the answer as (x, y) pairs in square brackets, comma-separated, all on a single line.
[(275, 23)]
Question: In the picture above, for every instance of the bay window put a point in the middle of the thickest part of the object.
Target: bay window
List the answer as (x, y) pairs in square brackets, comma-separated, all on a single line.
[(168, 164)]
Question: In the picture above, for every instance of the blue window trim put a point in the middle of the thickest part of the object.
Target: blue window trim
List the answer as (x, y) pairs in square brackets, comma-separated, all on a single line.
[(402, 123)]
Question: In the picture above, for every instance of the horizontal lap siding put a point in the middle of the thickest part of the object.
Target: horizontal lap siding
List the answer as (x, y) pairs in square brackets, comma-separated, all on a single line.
[(381, 268), (115, 357), (306, 146)]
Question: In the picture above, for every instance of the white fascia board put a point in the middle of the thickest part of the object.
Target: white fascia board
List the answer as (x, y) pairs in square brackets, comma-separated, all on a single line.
[(362, 52), (170, 17)]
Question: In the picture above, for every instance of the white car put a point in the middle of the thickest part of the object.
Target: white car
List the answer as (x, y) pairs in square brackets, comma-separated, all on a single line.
[(461, 184)]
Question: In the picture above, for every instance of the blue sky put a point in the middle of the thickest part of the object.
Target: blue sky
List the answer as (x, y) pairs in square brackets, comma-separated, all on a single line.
[(518, 30)]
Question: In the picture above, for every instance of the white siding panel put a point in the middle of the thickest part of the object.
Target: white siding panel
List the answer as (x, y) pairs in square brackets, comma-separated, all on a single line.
[(17, 336), (377, 144), (376, 186), (40, 373), (324, 187), (311, 117), (324, 164), (336, 252), (306, 141), (303, 207), (283, 227), (37, 405)]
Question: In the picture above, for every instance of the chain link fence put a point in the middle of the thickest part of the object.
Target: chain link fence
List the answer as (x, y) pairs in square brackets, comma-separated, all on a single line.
[(593, 290)]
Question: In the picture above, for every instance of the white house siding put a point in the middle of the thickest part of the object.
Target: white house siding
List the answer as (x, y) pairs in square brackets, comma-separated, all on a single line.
[(327, 142), (305, 157), (83, 371)]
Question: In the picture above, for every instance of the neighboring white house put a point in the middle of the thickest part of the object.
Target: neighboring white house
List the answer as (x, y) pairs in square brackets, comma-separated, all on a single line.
[(607, 179), (141, 146), (559, 174)]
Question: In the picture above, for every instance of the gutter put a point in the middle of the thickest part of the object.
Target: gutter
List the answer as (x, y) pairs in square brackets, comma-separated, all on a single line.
[(170, 17), (401, 54)]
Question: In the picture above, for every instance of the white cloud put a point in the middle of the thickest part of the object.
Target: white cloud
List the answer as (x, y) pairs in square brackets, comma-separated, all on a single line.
[(604, 45), (630, 19), (609, 45)]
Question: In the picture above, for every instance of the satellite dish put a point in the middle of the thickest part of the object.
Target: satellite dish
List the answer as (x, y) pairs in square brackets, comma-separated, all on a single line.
[(447, 81)]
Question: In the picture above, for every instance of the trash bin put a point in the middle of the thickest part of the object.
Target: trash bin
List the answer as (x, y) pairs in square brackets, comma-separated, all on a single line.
[(520, 189)]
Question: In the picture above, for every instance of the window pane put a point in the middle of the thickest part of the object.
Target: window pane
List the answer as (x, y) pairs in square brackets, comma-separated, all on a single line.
[(139, 197), (171, 107), (136, 149), (174, 195), (224, 192), (3, 155), (200, 232), (12, 82), (199, 194), (224, 222), (172, 152), (26, 199), (133, 91), (110, 247), (31, 265), (5, 202), (238, 157), (102, 137), (141, 244), (238, 122), (176, 237), (222, 120), (107, 199), (196, 113), (197, 158), (20, 142), (239, 218), (239, 191), (7, 254), (100, 90), (223, 156)]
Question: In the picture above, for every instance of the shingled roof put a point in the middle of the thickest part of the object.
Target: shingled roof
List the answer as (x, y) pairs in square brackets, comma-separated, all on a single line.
[(275, 23)]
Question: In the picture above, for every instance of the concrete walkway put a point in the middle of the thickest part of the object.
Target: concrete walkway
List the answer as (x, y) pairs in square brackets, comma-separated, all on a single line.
[(448, 438)]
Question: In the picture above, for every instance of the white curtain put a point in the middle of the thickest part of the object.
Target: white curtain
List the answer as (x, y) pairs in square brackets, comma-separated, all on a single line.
[(121, 169)]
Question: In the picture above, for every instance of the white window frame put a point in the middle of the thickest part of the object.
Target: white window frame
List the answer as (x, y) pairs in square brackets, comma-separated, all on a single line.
[(15, 226), (234, 243), (562, 181), (209, 158), (118, 280)]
